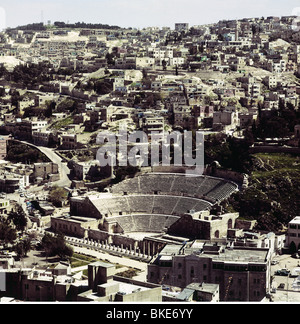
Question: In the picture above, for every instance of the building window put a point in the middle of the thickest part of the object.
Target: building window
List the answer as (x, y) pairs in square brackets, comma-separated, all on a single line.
[(192, 272)]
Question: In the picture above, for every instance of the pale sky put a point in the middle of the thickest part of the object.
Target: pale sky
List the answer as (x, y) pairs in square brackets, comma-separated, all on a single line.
[(140, 13)]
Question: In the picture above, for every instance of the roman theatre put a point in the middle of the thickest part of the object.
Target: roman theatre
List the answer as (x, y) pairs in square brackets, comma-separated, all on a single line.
[(151, 207)]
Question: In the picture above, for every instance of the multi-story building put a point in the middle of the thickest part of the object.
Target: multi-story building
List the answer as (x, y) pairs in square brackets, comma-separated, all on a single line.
[(45, 171), (253, 90), (226, 119), (150, 122), (271, 81), (293, 234), (5, 206), (13, 182), (69, 141), (104, 286), (86, 169), (243, 273), (3, 147), (246, 119)]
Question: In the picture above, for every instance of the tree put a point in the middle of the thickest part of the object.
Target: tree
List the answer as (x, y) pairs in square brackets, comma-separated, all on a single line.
[(19, 152), (50, 108), (3, 71), (57, 195), (122, 172), (19, 218), (67, 105), (23, 247), (56, 246), (145, 74), (110, 59), (7, 232)]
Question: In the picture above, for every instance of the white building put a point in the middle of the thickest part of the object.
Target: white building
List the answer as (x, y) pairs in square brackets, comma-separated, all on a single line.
[(293, 234)]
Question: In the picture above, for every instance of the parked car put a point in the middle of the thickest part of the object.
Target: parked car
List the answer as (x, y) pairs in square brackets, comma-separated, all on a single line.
[(282, 272), (281, 286), (273, 262)]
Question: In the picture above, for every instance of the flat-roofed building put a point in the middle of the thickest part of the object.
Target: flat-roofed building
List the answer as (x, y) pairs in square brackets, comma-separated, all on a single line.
[(243, 274), (293, 235), (201, 292), (105, 286), (73, 225)]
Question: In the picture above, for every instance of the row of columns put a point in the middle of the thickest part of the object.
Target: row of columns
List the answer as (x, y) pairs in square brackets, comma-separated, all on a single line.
[(104, 245)]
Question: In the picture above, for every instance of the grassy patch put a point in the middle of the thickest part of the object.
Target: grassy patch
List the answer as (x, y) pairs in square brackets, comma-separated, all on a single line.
[(272, 197), (79, 260), (62, 123), (269, 165), (130, 273)]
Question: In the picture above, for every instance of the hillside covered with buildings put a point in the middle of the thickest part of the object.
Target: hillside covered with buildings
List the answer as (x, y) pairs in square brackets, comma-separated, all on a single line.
[(203, 238)]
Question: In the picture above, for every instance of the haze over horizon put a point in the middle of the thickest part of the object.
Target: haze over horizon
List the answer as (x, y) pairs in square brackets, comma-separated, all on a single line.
[(139, 13)]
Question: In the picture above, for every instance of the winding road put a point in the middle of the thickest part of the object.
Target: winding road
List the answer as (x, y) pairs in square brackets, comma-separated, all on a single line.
[(64, 171)]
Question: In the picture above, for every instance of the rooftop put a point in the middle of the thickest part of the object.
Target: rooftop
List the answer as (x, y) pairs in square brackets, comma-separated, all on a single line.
[(295, 220), (216, 252)]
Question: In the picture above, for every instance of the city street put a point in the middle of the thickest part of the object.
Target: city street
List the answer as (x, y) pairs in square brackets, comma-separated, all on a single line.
[(64, 171)]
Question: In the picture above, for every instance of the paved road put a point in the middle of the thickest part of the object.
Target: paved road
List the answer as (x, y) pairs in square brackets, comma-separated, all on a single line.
[(64, 171)]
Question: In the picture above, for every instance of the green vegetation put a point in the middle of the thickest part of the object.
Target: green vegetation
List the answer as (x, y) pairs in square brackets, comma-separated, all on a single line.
[(129, 273), (57, 195), (30, 74), (272, 197), (279, 123), (230, 152), (23, 247), (67, 106), (121, 173), (61, 24), (19, 152), (7, 232), (276, 165), (62, 123), (101, 85), (56, 246), (18, 217), (78, 260)]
